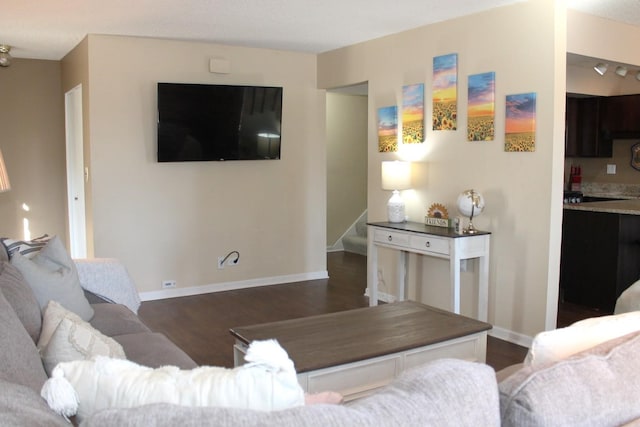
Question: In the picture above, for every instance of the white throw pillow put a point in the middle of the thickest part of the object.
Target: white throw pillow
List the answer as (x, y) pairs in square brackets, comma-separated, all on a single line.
[(268, 382), (52, 275), (66, 337), (558, 344)]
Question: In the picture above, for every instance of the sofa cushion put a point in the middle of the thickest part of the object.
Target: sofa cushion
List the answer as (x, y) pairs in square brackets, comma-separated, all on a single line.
[(445, 392), (598, 387), (19, 294), (558, 344), (22, 406), (52, 275), (153, 349), (116, 319), (72, 339), (19, 358)]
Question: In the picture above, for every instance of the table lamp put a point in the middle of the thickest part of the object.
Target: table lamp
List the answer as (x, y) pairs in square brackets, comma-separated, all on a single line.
[(4, 177), (396, 175)]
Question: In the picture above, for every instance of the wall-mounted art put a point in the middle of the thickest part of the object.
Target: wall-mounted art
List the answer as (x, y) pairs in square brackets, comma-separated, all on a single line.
[(635, 156), (445, 92), (481, 107), (388, 129), (413, 114), (520, 122)]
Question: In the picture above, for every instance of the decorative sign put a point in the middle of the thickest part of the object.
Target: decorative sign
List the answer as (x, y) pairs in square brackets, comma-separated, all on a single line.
[(438, 216)]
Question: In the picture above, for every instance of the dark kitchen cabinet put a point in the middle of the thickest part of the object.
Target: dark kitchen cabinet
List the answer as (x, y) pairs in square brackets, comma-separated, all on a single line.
[(582, 130), (599, 257), (620, 116)]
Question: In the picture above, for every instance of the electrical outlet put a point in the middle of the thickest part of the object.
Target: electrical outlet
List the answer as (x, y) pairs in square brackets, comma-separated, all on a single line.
[(220, 262), (611, 169), (168, 284), (232, 262)]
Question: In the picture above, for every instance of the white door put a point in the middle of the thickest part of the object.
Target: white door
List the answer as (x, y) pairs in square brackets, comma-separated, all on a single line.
[(76, 174)]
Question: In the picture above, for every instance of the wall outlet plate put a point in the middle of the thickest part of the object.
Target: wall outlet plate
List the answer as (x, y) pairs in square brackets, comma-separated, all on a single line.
[(611, 169), (168, 284)]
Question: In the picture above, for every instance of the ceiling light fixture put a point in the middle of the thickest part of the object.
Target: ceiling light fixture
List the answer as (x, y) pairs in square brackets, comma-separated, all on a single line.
[(601, 68), (5, 57), (621, 71)]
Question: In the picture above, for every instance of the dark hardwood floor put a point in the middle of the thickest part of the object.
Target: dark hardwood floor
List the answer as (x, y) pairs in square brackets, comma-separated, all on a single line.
[(200, 324)]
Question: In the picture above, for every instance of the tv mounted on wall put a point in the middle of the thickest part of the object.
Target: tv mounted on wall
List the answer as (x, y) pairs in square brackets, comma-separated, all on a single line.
[(202, 122)]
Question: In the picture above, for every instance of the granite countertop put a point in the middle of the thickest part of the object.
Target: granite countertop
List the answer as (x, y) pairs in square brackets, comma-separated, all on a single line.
[(626, 207)]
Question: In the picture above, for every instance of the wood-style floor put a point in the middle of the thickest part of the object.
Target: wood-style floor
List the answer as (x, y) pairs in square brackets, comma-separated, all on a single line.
[(200, 324)]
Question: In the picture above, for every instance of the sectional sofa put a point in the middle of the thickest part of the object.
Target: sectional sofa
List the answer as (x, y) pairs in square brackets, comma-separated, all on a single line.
[(596, 387)]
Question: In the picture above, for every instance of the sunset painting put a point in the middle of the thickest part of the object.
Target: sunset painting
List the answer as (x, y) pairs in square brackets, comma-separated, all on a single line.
[(387, 129), (481, 107), (445, 92), (413, 114), (520, 122)]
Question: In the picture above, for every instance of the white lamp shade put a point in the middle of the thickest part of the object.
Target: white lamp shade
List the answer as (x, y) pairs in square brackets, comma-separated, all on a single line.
[(396, 175), (4, 177)]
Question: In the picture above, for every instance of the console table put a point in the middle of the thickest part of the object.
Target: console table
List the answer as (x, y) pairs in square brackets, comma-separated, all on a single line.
[(438, 242)]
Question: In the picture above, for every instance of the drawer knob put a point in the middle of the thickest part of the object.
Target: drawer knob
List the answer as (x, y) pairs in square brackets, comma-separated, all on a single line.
[(390, 238), (428, 244)]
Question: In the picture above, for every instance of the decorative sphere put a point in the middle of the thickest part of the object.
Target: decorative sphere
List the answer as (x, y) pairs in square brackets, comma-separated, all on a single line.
[(469, 199)]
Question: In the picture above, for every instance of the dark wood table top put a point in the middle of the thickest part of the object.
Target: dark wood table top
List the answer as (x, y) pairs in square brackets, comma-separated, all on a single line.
[(332, 339)]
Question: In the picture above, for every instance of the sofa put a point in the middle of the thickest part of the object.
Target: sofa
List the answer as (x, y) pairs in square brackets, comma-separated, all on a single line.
[(597, 386)]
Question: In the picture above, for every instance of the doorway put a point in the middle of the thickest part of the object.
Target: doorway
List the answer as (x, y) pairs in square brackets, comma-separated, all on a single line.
[(76, 173), (347, 176)]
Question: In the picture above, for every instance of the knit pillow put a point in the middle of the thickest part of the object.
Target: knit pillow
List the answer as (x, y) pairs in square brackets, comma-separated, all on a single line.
[(66, 337)]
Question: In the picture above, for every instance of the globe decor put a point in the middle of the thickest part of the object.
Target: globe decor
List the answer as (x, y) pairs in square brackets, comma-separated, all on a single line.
[(438, 216), (470, 203)]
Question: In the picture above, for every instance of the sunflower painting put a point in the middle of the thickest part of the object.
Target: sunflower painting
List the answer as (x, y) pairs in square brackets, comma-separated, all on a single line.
[(520, 122), (445, 92), (413, 114), (388, 129), (481, 107)]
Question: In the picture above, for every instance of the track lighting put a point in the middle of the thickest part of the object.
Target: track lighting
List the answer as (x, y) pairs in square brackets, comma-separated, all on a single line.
[(601, 68), (621, 71), (5, 57)]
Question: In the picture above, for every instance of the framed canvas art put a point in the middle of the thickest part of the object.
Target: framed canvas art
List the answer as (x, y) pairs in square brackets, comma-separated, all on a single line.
[(388, 129), (413, 114), (481, 107), (520, 122), (445, 92)]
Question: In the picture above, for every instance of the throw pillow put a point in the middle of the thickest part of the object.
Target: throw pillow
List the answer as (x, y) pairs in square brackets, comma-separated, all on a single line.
[(558, 344), (26, 248), (269, 382), (53, 276), (66, 337)]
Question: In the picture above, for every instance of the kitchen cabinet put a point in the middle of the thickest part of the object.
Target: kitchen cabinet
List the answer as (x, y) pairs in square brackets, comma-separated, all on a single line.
[(582, 129), (600, 257), (620, 116)]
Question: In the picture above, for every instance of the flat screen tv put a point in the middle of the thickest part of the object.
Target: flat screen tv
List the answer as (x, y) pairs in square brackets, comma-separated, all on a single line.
[(202, 122)]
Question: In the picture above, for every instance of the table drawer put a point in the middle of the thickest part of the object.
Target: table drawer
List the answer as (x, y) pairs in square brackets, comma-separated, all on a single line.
[(391, 238), (430, 244)]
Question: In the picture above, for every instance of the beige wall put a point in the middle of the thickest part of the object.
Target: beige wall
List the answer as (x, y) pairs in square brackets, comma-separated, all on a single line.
[(173, 220), (346, 162), (524, 45), (32, 142)]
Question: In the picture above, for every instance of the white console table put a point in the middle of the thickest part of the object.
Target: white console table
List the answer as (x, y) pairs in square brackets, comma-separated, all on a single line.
[(438, 242)]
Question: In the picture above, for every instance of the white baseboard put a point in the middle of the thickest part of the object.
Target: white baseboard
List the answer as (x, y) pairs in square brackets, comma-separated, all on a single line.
[(512, 337), (382, 296), (230, 286)]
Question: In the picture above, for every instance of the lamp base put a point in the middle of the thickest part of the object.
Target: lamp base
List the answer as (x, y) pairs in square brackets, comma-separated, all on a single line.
[(470, 229), (395, 208)]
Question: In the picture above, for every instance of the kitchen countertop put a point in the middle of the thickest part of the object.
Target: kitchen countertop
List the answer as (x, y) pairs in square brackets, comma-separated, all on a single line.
[(626, 207)]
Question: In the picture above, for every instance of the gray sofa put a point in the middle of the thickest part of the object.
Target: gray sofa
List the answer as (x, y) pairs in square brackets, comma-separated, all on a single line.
[(598, 387)]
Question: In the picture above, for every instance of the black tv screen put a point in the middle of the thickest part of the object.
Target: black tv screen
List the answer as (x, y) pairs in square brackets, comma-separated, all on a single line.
[(201, 122)]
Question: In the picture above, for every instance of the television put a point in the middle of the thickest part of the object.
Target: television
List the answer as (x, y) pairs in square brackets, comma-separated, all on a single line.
[(206, 122)]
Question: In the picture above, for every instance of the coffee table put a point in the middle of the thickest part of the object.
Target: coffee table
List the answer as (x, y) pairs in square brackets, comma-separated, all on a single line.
[(357, 351)]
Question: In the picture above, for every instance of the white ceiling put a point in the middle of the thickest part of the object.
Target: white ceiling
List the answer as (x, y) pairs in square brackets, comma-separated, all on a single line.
[(49, 29)]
